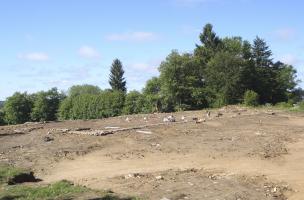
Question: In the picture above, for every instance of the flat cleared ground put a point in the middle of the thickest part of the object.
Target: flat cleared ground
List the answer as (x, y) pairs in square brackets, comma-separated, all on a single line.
[(245, 154)]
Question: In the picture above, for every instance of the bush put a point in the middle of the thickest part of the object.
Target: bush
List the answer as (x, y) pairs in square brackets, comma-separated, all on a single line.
[(46, 105), (18, 108), (300, 106), (92, 106), (219, 101), (65, 108), (251, 98), (134, 103), (284, 105)]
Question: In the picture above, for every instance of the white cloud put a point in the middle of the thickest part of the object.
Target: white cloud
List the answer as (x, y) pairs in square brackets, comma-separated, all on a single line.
[(285, 34), (290, 59), (139, 36), (34, 56), (88, 52)]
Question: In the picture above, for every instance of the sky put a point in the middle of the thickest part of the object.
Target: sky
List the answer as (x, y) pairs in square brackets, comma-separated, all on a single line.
[(60, 43)]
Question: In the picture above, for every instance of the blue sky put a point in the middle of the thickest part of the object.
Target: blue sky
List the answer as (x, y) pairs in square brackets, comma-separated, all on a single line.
[(60, 43)]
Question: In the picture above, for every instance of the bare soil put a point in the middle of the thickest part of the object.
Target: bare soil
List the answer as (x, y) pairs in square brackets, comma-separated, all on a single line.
[(244, 154)]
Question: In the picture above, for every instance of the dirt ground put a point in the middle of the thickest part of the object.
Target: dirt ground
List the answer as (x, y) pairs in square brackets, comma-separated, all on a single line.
[(243, 154)]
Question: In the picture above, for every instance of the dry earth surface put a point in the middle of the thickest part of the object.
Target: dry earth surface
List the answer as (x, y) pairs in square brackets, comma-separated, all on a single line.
[(244, 154)]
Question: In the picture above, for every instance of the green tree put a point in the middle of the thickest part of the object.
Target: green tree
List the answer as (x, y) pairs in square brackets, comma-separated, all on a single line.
[(114, 102), (65, 108), (261, 53), (210, 44), (46, 105), (180, 76), (17, 108), (117, 80), (284, 82), (134, 103), (151, 93), (223, 74), (83, 89), (264, 79)]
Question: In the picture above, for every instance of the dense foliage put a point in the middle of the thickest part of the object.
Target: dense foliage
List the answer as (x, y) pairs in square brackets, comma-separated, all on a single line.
[(220, 71), (92, 106), (83, 89), (134, 103), (46, 105), (17, 108)]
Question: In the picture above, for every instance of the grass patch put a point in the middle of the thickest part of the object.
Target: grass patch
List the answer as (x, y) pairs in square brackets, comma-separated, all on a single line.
[(59, 190), (62, 190), (8, 172)]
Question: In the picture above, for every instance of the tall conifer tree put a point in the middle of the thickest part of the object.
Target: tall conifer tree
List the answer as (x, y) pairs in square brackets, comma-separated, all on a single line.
[(117, 80)]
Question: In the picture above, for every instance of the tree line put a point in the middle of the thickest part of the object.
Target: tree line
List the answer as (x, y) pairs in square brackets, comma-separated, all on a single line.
[(219, 71)]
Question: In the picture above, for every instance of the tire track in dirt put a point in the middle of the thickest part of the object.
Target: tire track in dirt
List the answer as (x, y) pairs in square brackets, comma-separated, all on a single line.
[(94, 169)]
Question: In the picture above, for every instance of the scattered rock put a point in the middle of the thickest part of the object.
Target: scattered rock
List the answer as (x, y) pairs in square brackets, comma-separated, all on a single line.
[(159, 178), (194, 118), (48, 139), (200, 121), (129, 176), (191, 184), (155, 145), (170, 118), (219, 114)]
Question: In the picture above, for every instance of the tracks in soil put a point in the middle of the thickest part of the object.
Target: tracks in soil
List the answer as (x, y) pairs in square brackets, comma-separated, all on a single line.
[(94, 169)]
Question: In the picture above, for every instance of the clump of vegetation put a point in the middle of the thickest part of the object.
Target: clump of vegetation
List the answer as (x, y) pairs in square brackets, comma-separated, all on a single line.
[(62, 189), (45, 105), (92, 106), (17, 108), (7, 173), (284, 105), (301, 105), (251, 98), (134, 103), (59, 190)]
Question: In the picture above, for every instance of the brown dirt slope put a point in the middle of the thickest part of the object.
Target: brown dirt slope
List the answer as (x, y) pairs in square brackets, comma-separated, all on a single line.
[(241, 154)]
